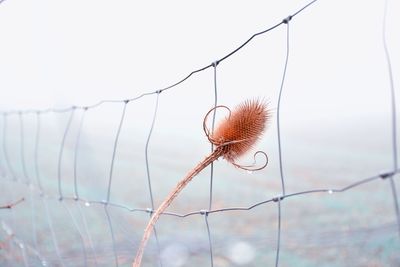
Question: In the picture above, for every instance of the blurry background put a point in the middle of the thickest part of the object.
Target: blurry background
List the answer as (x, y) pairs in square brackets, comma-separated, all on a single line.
[(335, 130)]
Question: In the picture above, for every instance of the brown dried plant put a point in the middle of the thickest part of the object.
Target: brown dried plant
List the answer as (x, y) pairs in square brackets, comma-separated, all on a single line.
[(11, 205), (233, 137)]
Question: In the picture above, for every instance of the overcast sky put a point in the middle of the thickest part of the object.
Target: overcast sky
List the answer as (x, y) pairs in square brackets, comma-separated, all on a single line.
[(78, 52)]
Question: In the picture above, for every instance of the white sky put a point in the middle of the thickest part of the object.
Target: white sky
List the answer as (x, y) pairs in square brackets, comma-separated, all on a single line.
[(57, 53)]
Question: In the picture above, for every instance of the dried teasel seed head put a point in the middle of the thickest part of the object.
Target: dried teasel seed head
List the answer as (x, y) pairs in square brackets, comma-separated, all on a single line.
[(237, 133)]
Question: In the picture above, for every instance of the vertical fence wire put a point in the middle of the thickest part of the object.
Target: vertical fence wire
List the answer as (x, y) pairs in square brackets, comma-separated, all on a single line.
[(22, 148), (278, 238), (278, 114), (52, 232), (75, 224), (209, 239), (23, 253), (393, 114), (43, 197), (110, 226), (110, 181), (60, 155), (59, 173), (33, 218), (27, 180), (13, 217), (146, 153), (286, 21), (115, 151), (40, 185), (9, 167), (214, 64), (36, 151), (76, 191), (89, 236), (5, 151), (76, 150)]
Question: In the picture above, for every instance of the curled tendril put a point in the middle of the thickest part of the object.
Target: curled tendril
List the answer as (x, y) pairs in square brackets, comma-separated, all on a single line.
[(205, 129), (253, 167)]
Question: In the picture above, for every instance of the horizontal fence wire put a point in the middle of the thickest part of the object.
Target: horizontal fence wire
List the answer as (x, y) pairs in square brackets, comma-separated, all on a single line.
[(89, 250), (158, 91), (89, 202)]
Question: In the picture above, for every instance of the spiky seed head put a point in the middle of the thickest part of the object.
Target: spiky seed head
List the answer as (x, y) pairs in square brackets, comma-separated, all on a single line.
[(238, 133)]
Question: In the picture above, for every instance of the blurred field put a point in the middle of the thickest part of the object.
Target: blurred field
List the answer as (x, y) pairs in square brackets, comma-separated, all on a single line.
[(354, 228)]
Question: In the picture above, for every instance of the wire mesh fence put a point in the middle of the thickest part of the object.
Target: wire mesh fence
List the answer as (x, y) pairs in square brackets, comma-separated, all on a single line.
[(68, 197)]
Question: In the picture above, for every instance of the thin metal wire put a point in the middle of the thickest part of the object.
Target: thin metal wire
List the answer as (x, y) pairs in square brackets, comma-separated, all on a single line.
[(278, 111), (85, 225), (42, 194), (23, 253), (30, 248), (209, 239), (112, 234), (115, 150), (76, 150), (33, 218), (36, 152), (60, 155), (149, 178), (6, 156), (301, 9), (22, 149), (212, 131), (12, 211), (146, 153), (76, 192), (393, 114), (278, 241), (17, 241), (36, 252), (53, 234), (214, 64), (110, 180), (62, 110), (384, 175), (286, 21), (358, 183), (75, 224)]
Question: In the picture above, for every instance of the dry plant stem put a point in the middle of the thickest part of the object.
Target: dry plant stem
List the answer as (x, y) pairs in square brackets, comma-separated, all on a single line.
[(233, 138), (11, 205), (182, 184)]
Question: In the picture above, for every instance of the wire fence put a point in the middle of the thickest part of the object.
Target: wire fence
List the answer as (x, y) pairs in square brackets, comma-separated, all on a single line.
[(31, 177)]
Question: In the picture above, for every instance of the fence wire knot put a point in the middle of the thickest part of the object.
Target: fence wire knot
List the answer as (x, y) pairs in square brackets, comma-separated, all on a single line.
[(287, 19), (204, 212), (149, 210), (278, 198), (385, 175)]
